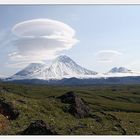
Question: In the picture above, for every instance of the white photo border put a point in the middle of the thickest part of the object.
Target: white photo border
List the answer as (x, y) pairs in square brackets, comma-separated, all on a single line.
[(36, 2)]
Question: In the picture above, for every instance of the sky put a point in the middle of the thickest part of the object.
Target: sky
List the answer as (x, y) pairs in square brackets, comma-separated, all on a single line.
[(97, 37)]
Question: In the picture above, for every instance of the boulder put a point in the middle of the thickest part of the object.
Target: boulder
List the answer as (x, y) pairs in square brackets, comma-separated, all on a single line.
[(68, 97), (78, 107), (38, 127), (8, 110)]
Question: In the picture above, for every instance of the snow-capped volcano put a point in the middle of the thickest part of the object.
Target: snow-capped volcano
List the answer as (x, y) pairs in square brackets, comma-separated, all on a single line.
[(64, 66), (120, 70), (61, 67)]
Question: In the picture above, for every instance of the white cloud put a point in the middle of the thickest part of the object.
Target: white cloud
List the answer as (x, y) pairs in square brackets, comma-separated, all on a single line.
[(42, 27), (107, 55), (41, 39)]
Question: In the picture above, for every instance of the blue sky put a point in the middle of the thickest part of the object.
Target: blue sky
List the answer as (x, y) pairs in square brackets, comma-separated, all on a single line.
[(108, 35)]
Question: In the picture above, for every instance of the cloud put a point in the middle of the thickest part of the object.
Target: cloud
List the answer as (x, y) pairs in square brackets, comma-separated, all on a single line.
[(107, 55), (42, 27), (41, 39)]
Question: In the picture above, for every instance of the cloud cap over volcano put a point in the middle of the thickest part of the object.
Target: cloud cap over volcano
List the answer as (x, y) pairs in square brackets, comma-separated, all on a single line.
[(42, 27), (41, 39)]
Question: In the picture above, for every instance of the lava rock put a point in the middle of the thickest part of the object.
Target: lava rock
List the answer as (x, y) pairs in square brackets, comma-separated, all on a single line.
[(78, 107), (68, 97), (21, 101), (8, 110), (38, 127)]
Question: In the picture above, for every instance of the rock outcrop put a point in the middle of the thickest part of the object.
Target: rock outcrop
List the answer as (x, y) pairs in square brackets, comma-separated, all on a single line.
[(8, 110), (38, 127), (78, 107)]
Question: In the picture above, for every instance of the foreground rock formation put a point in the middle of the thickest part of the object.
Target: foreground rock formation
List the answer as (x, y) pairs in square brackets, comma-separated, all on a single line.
[(78, 107), (8, 110), (38, 127)]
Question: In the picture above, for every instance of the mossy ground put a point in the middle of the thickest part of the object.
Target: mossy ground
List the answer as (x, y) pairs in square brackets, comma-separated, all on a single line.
[(115, 109)]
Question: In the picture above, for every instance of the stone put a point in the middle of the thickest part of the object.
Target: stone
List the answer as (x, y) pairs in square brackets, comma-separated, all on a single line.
[(38, 127), (78, 107)]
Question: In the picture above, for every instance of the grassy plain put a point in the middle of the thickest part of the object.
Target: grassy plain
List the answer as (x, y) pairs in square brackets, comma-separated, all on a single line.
[(115, 109)]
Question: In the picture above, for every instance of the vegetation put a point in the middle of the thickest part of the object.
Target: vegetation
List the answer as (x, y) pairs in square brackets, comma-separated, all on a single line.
[(115, 109)]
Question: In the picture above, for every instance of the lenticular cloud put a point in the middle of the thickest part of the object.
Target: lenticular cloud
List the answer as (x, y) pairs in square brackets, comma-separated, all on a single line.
[(107, 55), (42, 27), (41, 39)]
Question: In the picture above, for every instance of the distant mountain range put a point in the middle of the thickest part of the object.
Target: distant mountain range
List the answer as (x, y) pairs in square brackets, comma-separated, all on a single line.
[(61, 67), (64, 70)]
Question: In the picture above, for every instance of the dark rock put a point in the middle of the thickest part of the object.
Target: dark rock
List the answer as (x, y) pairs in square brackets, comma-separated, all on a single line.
[(68, 97), (78, 107), (21, 101), (8, 110), (38, 127), (97, 118), (135, 93), (114, 89), (131, 122)]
